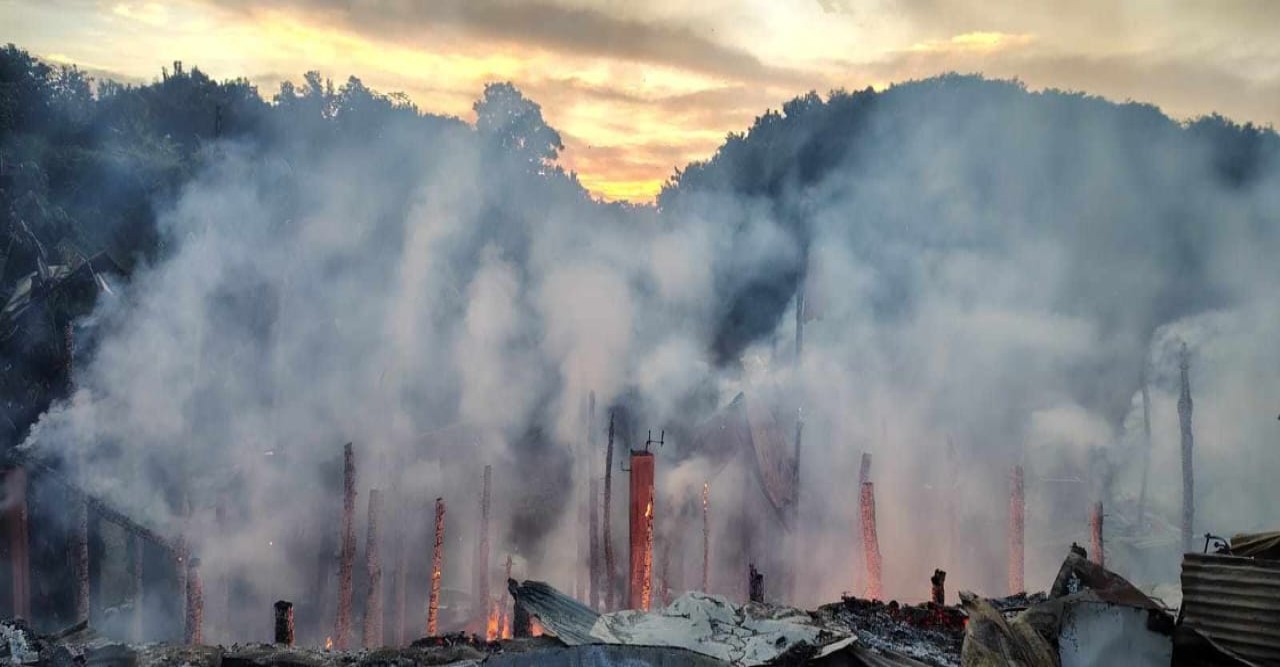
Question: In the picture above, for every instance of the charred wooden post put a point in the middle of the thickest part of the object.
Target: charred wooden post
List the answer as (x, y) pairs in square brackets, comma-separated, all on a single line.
[(347, 554), (481, 611), (1095, 534), (223, 605), (399, 580), (522, 623), (19, 541), (706, 537), (1188, 474), (80, 554), (136, 574), (610, 568), (504, 617), (373, 566), (755, 584), (641, 533), (1017, 519), (664, 587), (864, 470), (437, 563), (938, 588), (1146, 449), (193, 630), (594, 598), (284, 622), (871, 542)]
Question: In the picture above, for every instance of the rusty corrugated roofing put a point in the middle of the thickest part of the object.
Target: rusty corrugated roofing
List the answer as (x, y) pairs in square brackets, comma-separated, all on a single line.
[(1235, 602)]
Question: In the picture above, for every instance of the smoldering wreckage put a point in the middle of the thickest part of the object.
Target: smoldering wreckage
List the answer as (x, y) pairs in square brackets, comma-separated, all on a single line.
[(1229, 612)]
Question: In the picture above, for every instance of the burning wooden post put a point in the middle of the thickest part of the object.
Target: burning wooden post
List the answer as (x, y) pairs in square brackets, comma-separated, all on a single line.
[(284, 622), (437, 563), (1188, 475), (641, 529), (481, 611), (1095, 534), (938, 588), (1017, 518), (870, 540), (347, 554), (19, 541), (373, 566), (706, 537), (610, 569), (755, 584), (193, 630)]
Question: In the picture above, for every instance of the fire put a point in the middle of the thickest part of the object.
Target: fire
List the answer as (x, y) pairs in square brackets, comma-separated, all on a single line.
[(505, 630), (646, 584), (491, 628), (328, 643), (535, 626)]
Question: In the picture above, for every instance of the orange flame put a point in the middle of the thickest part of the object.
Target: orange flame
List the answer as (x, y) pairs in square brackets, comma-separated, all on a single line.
[(491, 628), (328, 643), (535, 626)]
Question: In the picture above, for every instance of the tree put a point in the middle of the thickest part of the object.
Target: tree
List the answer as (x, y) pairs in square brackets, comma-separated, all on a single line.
[(507, 118)]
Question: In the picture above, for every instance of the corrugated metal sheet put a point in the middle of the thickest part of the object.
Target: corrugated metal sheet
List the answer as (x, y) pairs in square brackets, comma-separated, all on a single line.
[(564, 616), (1235, 602)]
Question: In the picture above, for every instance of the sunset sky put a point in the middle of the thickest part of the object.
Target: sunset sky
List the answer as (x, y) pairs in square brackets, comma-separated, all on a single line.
[(639, 88)]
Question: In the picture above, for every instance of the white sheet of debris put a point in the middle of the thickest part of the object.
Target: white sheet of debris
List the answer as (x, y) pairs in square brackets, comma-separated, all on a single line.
[(711, 625)]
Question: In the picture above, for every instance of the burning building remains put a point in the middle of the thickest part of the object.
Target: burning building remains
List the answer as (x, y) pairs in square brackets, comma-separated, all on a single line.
[(997, 321)]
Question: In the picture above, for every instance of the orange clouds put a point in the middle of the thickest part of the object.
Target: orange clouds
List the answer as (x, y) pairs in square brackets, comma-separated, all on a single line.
[(638, 92)]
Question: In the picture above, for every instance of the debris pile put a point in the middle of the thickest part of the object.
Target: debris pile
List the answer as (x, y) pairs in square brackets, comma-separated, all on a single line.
[(926, 632)]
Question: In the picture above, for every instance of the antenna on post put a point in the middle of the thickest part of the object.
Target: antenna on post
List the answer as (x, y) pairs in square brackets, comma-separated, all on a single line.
[(662, 439)]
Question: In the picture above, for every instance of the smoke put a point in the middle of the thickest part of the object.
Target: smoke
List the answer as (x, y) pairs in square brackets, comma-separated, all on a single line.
[(987, 270)]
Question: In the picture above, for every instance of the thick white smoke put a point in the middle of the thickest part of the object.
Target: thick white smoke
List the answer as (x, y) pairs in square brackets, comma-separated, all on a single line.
[(987, 285)]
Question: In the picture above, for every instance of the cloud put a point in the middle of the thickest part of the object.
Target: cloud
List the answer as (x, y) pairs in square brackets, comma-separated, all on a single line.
[(547, 25)]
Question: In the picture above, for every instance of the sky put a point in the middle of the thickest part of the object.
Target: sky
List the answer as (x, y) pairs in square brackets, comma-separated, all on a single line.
[(640, 89)]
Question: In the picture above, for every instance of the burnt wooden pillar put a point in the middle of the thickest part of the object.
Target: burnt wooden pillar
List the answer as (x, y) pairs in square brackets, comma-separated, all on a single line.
[(80, 553), (437, 564), (373, 567), (284, 623), (641, 525), (1017, 522), (755, 584), (1095, 533), (938, 587), (706, 537), (19, 541), (193, 629), (610, 567), (871, 542), (347, 555), (135, 573)]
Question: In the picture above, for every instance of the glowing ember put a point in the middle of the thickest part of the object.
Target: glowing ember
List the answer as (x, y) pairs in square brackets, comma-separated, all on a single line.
[(328, 643), (535, 627)]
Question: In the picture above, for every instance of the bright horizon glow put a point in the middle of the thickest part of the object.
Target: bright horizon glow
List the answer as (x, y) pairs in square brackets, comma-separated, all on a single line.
[(661, 87)]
